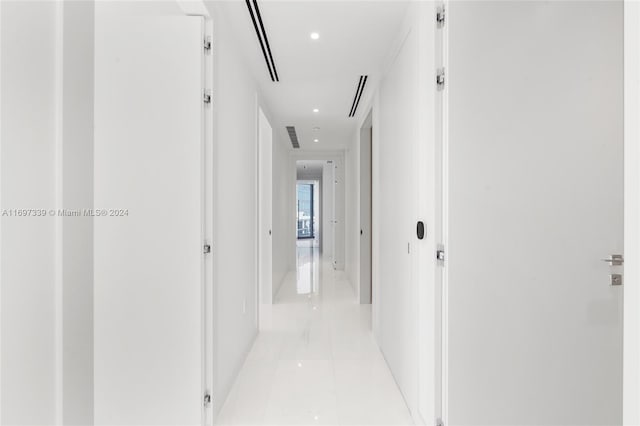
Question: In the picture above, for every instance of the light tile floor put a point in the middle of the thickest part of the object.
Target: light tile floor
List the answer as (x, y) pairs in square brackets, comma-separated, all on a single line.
[(315, 360)]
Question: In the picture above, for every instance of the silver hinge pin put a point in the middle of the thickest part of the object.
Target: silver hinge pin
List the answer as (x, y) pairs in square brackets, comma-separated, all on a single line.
[(440, 78), (440, 16), (207, 399), (206, 249), (207, 44), (206, 97)]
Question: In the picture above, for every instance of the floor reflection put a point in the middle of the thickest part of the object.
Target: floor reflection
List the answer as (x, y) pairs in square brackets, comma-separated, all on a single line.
[(308, 268), (315, 360)]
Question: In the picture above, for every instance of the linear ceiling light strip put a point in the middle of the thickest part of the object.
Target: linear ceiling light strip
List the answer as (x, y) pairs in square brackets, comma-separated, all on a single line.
[(266, 39), (355, 98), (364, 82), (255, 26)]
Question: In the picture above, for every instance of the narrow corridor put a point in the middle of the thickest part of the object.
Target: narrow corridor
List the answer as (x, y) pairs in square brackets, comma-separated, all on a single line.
[(315, 360)]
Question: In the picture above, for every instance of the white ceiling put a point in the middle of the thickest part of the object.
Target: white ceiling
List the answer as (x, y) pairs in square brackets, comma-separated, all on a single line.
[(355, 37)]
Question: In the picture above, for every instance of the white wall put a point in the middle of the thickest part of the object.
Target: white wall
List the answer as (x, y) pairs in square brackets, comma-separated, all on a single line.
[(235, 208), (47, 151), (404, 172), (28, 140)]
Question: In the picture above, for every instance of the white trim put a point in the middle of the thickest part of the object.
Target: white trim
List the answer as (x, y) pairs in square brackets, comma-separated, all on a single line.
[(198, 8), (445, 226), (258, 247), (0, 219), (631, 339), (208, 414), (206, 206), (58, 220)]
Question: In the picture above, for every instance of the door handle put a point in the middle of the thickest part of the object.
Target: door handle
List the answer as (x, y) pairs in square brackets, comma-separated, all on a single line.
[(614, 260)]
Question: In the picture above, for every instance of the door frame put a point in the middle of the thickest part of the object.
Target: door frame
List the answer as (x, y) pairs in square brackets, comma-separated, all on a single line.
[(631, 314), (631, 321), (338, 159), (315, 185), (209, 193)]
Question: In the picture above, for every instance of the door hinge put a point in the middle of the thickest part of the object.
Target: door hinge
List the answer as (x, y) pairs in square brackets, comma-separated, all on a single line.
[(440, 254), (440, 16), (615, 260), (440, 78), (207, 400), (206, 249), (439, 422), (206, 96), (207, 44)]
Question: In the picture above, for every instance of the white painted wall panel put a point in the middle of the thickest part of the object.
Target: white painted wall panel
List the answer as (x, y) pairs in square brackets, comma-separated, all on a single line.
[(235, 209), (27, 151)]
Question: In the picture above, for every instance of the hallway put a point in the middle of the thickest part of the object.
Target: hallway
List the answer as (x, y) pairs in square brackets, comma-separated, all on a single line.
[(345, 212), (315, 360)]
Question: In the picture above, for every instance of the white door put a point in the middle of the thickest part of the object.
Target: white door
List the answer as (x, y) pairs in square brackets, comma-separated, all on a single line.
[(535, 202), (149, 259), (265, 140), (365, 212), (395, 184)]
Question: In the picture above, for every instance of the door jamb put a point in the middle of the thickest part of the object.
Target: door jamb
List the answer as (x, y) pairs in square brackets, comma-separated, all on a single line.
[(631, 316)]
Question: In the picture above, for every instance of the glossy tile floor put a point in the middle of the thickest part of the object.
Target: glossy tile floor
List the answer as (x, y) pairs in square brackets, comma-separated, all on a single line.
[(315, 360)]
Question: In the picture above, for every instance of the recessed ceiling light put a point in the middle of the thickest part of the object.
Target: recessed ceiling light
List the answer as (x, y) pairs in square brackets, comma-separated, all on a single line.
[(316, 110), (316, 140), (315, 36)]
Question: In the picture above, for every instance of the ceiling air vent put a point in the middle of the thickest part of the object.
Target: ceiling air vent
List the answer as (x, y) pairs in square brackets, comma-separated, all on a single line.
[(356, 99), (262, 38), (293, 136)]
